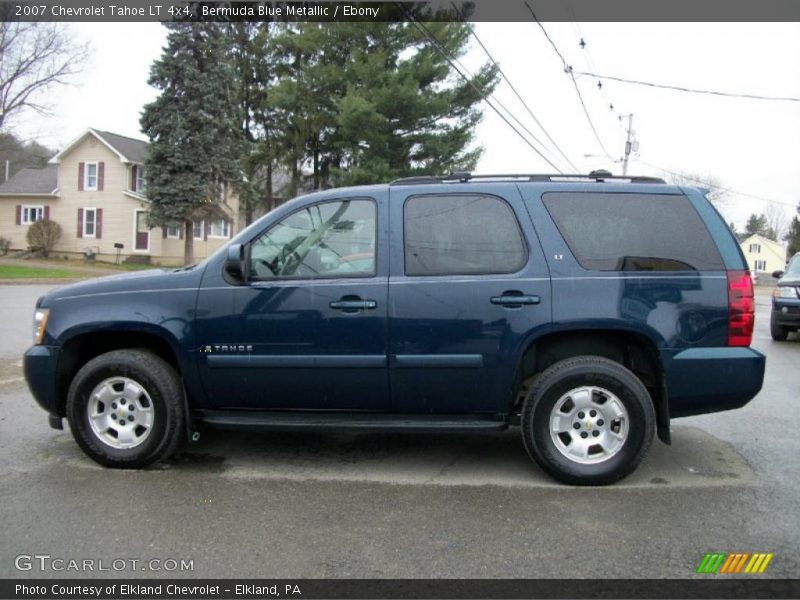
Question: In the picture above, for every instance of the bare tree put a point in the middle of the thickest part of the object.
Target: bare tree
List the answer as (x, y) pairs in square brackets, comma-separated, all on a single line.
[(717, 193), (776, 221), (34, 57)]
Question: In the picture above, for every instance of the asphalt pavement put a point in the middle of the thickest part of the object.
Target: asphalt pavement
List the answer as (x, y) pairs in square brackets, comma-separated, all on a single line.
[(378, 505)]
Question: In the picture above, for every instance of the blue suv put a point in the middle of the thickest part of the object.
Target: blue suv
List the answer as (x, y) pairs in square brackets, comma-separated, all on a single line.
[(587, 310), (785, 315)]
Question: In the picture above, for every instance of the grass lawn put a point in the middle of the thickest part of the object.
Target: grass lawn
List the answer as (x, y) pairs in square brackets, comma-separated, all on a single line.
[(22, 272)]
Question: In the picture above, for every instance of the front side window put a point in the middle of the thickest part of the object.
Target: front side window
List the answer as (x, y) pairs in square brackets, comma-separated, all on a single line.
[(31, 214), (90, 175), (633, 232), (89, 222), (325, 240), (461, 234), (219, 229)]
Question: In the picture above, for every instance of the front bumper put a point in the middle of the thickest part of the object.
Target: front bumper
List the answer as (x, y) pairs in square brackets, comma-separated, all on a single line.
[(705, 380), (786, 312), (39, 365)]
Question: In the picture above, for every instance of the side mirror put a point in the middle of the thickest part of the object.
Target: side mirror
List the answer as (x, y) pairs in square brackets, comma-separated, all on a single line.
[(234, 261), (777, 274)]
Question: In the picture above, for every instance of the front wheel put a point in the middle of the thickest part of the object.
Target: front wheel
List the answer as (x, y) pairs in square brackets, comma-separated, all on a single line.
[(125, 409), (778, 332), (588, 421)]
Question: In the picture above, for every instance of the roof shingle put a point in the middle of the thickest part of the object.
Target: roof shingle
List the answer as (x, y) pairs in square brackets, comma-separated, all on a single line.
[(31, 181)]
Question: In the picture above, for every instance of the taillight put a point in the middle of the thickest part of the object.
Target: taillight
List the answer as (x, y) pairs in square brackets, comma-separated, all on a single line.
[(741, 308)]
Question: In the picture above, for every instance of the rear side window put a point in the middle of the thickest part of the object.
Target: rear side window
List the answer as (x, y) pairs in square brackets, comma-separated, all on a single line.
[(633, 232), (461, 234)]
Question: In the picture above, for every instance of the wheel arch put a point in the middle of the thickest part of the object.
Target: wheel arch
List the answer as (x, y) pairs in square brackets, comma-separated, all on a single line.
[(633, 350)]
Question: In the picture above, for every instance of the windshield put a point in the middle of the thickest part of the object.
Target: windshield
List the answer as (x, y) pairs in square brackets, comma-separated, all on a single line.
[(793, 269)]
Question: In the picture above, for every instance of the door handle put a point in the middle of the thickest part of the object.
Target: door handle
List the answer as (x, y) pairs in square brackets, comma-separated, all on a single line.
[(514, 300), (353, 304)]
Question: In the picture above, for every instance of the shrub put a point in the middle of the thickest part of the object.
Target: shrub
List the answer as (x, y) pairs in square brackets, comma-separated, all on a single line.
[(4, 245), (43, 236)]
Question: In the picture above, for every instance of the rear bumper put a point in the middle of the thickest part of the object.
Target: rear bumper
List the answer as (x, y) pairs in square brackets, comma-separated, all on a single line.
[(39, 366), (705, 380)]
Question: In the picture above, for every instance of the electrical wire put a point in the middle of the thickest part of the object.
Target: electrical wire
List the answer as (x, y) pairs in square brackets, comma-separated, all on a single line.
[(516, 93), (720, 188), (485, 97), (690, 90), (568, 71)]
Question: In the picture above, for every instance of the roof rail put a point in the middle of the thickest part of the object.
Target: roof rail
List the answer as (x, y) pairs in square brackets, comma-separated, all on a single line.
[(464, 177)]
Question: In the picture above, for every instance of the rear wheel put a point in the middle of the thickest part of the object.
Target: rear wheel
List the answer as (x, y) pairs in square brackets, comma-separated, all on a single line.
[(778, 332), (588, 421), (125, 409)]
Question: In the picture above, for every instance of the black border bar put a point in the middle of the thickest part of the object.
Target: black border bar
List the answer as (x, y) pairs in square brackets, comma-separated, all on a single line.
[(222, 589), (391, 11)]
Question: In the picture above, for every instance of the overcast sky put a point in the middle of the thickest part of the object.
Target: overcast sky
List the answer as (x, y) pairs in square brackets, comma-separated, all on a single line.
[(750, 146)]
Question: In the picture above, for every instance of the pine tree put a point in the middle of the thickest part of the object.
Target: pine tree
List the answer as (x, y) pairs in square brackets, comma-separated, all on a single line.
[(756, 224), (793, 236), (194, 127)]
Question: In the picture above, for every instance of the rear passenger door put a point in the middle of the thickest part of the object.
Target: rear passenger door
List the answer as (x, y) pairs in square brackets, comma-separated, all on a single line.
[(468, 288)]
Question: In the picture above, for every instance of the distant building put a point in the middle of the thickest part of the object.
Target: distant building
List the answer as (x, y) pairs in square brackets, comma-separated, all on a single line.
[(763, 254), (95, 189)]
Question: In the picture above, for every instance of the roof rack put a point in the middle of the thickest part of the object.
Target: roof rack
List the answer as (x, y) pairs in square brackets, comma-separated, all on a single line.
[(465, 177)]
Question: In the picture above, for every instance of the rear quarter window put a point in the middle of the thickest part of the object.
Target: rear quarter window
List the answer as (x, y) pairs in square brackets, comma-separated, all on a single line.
[(633, 232)]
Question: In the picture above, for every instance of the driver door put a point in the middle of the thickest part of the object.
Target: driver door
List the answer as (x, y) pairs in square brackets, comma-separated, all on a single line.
[(308, 329)]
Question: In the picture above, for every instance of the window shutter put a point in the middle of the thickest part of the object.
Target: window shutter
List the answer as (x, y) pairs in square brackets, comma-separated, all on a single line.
[(230, 228), (164, 232), (19, 214), (205, 230), (47, 212), (100, 173), (80, 222), (81, 169), (181, 227), (98, 225), (133, 177)]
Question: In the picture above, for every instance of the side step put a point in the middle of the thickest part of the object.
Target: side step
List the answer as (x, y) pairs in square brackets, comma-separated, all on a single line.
[(333, 421)]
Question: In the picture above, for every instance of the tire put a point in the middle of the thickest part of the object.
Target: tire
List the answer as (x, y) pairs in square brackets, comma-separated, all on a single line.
[(136, 388), (618, 434), (778, 332)]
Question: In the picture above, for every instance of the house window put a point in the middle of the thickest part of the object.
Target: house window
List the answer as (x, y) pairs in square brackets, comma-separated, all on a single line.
[(755, 249), (31, 214), (761, 265), (197, 229), (90, 176), (173, 230), (219, 229), (89, 222), (140, 183)]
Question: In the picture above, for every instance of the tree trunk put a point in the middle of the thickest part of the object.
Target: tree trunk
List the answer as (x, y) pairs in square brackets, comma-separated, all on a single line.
[(188, 243)]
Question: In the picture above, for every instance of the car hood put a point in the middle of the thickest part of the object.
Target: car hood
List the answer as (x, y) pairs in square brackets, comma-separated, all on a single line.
[(789, 281), (139, 281)]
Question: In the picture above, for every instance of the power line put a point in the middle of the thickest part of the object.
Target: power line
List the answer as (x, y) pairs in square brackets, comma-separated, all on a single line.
[(485, 97), (516, 93), (690, 90), (568, 71), (720, 188)]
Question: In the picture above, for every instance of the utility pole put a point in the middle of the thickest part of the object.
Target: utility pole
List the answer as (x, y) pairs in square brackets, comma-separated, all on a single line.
[(627, 145)]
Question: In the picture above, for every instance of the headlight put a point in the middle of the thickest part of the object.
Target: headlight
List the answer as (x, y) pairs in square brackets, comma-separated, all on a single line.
[(785, 291), (39, 324)]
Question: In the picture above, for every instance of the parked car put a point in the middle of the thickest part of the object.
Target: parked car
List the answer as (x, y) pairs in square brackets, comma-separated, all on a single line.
[(588, 310), (785, 315)]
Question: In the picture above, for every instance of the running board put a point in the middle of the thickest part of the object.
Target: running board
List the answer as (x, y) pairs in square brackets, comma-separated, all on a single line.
[(332, 421)]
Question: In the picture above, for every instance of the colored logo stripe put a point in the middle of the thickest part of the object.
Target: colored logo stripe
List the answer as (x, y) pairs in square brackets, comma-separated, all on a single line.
[(722, 562)]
